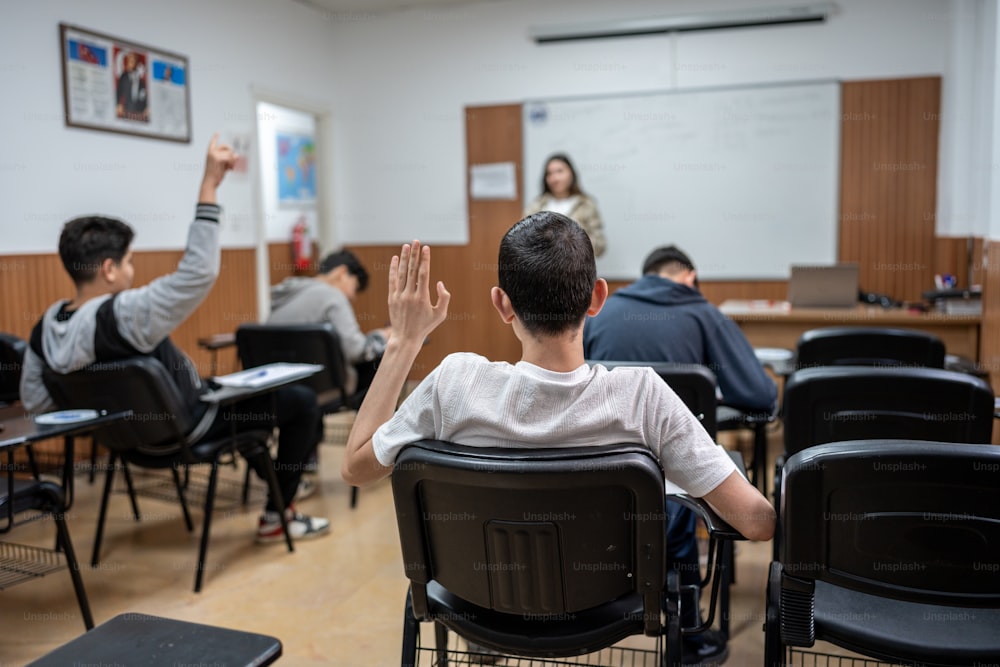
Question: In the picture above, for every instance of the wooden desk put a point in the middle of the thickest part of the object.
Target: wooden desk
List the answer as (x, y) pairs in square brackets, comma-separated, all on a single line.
[(776, 326)]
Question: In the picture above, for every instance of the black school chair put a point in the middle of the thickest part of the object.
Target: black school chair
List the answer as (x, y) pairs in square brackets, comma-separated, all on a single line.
[(260, 344), (890, 549), (869, 346), (160, 436), (19, 563), (539, 552), (836, 403)]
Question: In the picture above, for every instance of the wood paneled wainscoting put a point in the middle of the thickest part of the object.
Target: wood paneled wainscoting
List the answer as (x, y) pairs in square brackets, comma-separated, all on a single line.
[(31, 283)]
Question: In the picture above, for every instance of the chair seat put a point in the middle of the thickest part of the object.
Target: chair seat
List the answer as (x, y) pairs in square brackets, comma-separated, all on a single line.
[(559, 635), (205, 451), (852, 620)]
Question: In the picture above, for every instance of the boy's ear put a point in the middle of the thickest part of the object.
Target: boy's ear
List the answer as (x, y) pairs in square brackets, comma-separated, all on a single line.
[(598, 297), (502, 304), (107, 270)]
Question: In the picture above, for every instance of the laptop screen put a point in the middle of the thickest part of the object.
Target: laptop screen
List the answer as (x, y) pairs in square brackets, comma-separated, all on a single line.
[(824, 286)]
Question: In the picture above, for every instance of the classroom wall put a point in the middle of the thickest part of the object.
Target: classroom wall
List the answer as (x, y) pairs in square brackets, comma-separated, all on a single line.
[(49, 172), (407, 76), (396, 85)]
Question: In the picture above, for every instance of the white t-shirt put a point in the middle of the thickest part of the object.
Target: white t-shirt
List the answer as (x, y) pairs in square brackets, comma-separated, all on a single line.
[(472, 401)]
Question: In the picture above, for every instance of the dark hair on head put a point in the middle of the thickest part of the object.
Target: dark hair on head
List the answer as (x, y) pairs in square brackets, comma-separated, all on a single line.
[(348, 259), (668, 257), (574, 185), (546, 267), (87, 241)]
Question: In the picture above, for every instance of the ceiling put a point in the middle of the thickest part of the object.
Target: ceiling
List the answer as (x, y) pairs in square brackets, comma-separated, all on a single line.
[(384, 6)]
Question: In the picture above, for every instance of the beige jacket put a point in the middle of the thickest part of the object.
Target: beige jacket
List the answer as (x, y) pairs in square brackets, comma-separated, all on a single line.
[(585, 213)]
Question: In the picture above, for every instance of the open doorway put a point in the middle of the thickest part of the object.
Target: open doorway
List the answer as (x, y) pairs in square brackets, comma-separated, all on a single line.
[(292, 222)]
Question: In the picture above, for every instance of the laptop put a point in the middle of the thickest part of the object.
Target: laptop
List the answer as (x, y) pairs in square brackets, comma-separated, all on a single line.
[(824, 286)]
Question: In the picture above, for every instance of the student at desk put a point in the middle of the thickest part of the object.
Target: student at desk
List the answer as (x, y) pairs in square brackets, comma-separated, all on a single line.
[(108, 319)]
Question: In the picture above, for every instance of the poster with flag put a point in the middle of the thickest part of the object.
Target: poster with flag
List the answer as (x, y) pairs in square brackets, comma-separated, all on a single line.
[(116, 85)]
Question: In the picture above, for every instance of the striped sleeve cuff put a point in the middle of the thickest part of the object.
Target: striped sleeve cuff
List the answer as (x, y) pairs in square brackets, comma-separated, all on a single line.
[(207, 212)]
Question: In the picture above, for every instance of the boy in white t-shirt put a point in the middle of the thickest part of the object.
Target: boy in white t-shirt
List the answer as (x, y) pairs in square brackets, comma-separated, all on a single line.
[(548, 285)]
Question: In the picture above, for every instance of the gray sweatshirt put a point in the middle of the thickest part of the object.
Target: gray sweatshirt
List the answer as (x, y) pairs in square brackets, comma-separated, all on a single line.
[(133, 322), (312, 301)]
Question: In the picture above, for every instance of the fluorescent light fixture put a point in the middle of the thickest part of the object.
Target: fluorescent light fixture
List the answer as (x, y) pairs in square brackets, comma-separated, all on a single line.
[(736, 18)]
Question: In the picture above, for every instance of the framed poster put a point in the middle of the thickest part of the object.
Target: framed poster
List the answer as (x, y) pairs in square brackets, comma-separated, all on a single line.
[(119, 86), (296, 168)]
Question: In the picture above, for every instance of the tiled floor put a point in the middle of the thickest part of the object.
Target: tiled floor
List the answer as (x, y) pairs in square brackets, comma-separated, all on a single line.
[(335, 601)]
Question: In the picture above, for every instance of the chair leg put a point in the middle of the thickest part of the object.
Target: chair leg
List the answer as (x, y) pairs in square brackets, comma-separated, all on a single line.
[(109, 478), (180, 494), (354, 497), (674, 649), (74, 568), (93, 458), (411, 631), (441, 644), (759, 455), (69, 462), (32, 464), (131, 490), (773, 649), (275, 491), (726, 572), (207, 526), (246, 484)]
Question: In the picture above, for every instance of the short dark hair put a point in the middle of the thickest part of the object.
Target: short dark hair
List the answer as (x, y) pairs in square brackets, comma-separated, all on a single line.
[(546, 267), (668, 257), (87, 241), (574, 185), (351, 261)]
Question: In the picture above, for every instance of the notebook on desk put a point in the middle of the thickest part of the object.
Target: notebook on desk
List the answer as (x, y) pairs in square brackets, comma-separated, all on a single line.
[(824, 286)]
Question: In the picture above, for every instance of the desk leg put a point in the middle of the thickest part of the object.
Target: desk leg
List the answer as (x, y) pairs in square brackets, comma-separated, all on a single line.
[(69, 456)]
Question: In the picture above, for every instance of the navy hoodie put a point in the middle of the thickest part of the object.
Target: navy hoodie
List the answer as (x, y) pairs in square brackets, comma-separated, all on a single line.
[(656, 319)]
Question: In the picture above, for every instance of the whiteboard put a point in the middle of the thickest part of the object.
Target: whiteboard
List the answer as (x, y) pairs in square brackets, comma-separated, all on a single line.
[(745, 180)]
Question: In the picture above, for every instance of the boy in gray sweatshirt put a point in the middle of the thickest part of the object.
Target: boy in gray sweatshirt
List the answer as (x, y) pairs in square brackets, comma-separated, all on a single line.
[(108, 319)]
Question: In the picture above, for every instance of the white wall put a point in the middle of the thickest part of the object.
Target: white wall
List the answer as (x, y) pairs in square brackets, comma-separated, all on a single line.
[(405, 78), (49, 172), (397, 85)]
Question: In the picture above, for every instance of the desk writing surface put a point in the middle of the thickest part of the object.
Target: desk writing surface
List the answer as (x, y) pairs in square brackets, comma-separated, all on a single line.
[(779, 327), (18, 427)]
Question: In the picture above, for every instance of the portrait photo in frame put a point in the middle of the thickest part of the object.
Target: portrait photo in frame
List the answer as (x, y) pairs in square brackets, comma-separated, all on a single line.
[(116, 85)]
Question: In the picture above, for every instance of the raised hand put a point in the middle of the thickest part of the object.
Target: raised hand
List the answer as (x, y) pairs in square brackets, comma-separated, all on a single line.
[(411, 314), (220, 159)]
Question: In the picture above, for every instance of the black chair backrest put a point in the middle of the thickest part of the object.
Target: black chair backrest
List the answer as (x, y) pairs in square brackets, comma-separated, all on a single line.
[(159, 420), (869, 346), (693, 383), (833, 403), (910, 520), (260, 344), (533, 532), (11, 357)]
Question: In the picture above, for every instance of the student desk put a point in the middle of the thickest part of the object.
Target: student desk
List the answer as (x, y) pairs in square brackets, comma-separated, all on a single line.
[(768, 324)]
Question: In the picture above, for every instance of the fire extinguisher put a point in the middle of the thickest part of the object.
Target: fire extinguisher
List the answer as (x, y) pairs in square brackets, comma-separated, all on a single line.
[(301, 245)]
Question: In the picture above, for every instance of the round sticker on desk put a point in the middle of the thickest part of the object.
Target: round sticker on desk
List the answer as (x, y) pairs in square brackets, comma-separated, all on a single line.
[(65, 417)]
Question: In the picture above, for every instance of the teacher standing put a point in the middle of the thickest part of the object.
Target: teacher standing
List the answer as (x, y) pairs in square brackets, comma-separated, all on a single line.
[(561, 193)]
